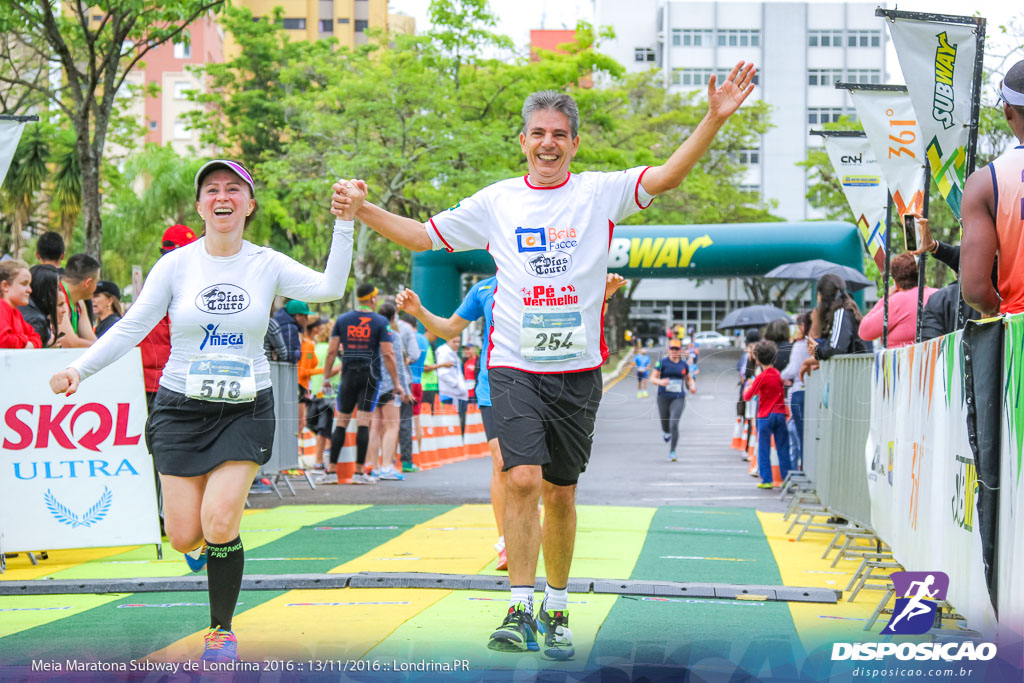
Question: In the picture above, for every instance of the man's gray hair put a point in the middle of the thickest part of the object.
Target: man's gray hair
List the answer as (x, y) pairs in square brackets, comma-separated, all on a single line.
[(551, 100)]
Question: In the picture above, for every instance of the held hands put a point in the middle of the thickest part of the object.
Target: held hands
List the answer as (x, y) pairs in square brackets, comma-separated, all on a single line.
[(723, 101), (409, 301), (65, 382), (348, 198)]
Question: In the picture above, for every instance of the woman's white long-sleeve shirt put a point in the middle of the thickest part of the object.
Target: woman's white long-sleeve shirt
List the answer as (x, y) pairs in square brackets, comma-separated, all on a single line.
[(219, 305)]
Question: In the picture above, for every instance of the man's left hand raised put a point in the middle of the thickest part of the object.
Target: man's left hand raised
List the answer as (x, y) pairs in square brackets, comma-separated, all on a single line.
[(724, 100)]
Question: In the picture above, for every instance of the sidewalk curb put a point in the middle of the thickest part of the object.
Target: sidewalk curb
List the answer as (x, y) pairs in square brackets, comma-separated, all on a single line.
[(620, 370)]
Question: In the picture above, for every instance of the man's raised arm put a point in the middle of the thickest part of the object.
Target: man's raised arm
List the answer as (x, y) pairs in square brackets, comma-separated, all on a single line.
[(400, 230), (722, 103)]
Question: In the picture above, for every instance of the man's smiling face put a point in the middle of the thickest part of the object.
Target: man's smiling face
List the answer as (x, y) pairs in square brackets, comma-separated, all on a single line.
[(549, 147)]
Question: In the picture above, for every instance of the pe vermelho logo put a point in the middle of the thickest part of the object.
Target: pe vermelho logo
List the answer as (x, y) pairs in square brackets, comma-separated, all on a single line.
[(917, 597)]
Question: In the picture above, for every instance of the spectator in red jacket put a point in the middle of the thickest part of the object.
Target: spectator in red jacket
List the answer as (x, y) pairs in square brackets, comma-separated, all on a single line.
[(156, 347), (15, 288)]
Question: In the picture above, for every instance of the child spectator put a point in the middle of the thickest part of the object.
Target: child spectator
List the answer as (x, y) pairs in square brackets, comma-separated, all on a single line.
[(81, 273), (46, 307), (106, 304), (771, 413), (15, 288)]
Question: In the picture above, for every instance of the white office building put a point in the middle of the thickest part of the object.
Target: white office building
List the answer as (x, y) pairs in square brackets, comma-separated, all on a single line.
[(801, 50)]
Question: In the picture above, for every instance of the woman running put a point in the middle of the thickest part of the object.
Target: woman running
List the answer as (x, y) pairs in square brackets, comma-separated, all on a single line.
[(670, 374), (211, 425)]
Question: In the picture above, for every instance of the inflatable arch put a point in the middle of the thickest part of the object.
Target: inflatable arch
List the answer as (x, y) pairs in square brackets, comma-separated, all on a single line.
[(666, 251)]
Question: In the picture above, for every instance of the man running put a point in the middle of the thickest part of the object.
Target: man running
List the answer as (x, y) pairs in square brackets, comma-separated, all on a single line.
[(643, 362), (363, 338), (548, 233)]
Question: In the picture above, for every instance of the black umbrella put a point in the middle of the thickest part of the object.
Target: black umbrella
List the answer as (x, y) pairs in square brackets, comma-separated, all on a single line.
[(752, 316), (814, 269)]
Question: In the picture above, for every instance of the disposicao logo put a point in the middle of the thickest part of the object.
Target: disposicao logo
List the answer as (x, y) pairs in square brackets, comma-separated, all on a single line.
[(917, 594)]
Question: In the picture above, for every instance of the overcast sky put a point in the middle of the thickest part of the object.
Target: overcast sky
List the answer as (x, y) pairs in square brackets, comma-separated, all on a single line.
[(517, 17)]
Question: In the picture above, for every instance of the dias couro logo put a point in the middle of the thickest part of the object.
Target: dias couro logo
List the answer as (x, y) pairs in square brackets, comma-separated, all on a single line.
[(223, 299), (550, 264)]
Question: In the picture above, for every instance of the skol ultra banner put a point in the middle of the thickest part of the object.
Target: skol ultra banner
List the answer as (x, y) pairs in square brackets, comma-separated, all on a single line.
[(74, 471), (857, 170), (938, 65), (922, 476), (891, 127), (10, 134)]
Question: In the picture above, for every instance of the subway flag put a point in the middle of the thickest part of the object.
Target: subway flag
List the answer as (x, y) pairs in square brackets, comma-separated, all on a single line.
[(937, 59)]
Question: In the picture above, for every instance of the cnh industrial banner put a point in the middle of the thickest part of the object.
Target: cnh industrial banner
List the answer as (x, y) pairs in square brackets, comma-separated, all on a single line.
[(74, 471), (937, 60), (891, 127), (856, 168)]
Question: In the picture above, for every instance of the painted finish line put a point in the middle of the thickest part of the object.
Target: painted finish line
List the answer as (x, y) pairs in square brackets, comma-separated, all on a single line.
[(420, 580)]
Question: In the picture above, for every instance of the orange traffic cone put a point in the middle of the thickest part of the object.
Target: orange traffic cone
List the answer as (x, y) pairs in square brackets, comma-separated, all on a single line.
[(346, 466), (776, 472), (738, 442)]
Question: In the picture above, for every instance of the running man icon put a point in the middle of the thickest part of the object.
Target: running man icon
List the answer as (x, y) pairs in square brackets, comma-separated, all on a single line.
[(917, 596)]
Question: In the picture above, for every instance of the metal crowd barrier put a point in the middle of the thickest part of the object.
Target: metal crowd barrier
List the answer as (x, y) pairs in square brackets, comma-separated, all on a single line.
[(841, 417), (285, 455)]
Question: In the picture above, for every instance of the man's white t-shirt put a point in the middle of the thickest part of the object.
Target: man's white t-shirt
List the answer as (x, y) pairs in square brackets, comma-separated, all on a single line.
[(219, 305), (550, 245)]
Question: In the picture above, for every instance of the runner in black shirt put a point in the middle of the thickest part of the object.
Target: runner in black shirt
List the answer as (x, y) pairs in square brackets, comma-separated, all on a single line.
[(363, 337)]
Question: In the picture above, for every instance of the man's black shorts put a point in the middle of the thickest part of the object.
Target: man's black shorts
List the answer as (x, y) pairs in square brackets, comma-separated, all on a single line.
[(546, 420), (358, 390), (487, 416)]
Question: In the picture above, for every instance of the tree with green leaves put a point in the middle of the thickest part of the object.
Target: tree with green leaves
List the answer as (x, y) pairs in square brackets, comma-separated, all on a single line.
[(94, 58)]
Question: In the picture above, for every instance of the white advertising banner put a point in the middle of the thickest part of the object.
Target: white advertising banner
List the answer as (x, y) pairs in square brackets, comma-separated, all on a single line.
[(921, 472), (10, 134), (937, 60), (891, 127), (857, 170), (74, 471), (1010, 556)]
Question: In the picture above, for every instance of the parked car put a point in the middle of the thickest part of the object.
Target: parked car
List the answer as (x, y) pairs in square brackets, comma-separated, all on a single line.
[(710, 339)]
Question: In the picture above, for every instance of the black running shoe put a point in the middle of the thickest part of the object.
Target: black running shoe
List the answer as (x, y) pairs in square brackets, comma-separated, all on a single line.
[(557, 636), (518, 633)]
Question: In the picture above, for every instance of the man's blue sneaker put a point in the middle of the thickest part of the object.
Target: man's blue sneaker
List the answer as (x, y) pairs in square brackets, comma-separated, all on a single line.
[(221, 646), (554, 626), (196, 559), (672, 456), (518, 633)]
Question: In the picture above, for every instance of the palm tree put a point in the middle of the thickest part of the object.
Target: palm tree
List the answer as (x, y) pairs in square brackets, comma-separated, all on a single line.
[(24, 180), (66, 193)]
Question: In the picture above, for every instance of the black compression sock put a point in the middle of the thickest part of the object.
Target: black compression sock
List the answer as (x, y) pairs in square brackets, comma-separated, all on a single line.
[(337, 442), (362, 444), (224, 565)]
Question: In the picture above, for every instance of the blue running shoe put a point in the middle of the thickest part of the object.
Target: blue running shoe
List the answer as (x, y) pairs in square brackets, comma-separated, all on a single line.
[(517, 633), (557, 636), (221, 646), (672, 456), (196, 559)]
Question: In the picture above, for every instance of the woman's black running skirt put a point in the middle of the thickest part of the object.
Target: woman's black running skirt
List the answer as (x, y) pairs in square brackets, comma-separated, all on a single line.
[(188, 437)]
